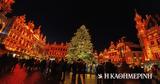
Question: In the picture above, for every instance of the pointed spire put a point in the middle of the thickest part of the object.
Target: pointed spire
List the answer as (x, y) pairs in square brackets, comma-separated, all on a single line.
[(137, 16), (44, 39), (123, 38), (31, 25), (148, 17), (55, 43), (112, 46), (38, 30)]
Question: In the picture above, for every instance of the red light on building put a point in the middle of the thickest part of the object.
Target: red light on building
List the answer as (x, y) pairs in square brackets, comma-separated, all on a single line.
[(149, 35), (121, 51), (56, 50), (23, 37)]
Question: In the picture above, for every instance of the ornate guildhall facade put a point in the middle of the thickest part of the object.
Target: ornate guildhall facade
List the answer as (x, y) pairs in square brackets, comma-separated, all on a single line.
[(122, 51), (149, 36), (57, 50), (23, 38)]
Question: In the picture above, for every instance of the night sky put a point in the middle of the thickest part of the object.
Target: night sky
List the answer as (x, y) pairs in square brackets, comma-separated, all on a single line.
[(106, 20)]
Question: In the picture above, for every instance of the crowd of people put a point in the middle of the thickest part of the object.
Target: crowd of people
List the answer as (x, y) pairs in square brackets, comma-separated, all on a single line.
[(57, 69), (51, 69), (7, 63)]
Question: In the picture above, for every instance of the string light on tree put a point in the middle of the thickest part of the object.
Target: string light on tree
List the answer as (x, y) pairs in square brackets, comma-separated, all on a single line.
[(80, 46)]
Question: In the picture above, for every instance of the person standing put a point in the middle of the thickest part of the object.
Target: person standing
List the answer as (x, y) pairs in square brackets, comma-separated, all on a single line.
[(74, 71), (80, 79), (64, 66)]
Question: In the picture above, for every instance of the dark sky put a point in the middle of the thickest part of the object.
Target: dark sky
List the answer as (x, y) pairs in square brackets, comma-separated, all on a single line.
[(106, 20)]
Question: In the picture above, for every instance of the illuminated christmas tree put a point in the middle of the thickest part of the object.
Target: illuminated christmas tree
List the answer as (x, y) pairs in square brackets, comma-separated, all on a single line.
[(80, 46)]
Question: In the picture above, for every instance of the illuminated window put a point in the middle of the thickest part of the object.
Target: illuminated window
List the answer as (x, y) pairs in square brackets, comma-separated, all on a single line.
[(149, 37), (155, 34)]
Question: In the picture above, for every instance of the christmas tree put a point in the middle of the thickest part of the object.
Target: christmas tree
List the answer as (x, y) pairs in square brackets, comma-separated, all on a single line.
[(80, 46)]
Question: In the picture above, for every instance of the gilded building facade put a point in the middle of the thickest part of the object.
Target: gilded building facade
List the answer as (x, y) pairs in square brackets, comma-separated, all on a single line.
[(122, 51), (149, 36), (23, 37), (56, 50)]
